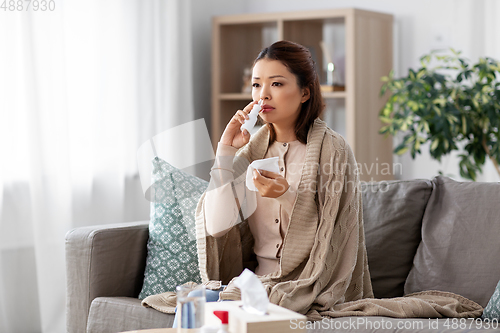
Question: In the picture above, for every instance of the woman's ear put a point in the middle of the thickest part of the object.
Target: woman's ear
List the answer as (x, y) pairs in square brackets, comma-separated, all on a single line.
[(306, 94)]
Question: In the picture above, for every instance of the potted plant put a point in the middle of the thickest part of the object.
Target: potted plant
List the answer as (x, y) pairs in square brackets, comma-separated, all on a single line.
[(449, 103)]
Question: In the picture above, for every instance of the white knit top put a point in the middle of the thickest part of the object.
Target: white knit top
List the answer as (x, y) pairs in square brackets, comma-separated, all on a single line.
[(268, 220)]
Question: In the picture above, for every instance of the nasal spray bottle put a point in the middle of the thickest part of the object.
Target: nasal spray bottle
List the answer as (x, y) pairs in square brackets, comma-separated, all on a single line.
[(252, 117), (224, 318)]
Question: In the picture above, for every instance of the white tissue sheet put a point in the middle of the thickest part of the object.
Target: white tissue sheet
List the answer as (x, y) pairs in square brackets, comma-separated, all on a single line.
[(269, 164), (253, 293)]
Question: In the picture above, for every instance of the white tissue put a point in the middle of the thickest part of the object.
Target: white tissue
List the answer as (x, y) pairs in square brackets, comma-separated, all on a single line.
[(269, 164), (253, 294)]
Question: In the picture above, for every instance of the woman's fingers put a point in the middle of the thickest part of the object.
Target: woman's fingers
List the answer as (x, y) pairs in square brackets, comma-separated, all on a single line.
[(232, 135), (269, 174), (257, 181), (241, 116), (268, 186), (249, 107), (258, 177)]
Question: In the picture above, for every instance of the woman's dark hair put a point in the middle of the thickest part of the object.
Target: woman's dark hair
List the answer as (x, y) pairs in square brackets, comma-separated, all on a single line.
[(298, 60)]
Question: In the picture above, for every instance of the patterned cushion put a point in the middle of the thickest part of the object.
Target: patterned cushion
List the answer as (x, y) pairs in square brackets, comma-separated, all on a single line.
[(492, 310), (172, 258)]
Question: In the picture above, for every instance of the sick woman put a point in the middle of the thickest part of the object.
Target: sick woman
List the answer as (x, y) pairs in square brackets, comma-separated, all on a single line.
[(301, 232)]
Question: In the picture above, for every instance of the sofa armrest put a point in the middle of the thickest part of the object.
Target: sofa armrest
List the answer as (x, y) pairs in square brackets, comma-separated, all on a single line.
[(105, 260)]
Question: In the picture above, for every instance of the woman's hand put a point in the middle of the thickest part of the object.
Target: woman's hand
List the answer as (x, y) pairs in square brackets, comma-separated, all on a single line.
[(270, 184), (233, 136)]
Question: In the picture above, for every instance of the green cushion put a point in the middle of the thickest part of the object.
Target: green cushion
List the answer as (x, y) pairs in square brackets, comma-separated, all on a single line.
[(492, 310), (172, 258)]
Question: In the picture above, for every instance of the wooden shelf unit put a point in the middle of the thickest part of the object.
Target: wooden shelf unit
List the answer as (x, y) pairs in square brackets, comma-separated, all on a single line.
[(362, 54)]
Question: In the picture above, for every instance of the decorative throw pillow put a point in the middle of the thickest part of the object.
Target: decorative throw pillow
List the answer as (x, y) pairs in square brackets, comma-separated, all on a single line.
[(459, 241), (172, 257), (392, 214), (492, 310)]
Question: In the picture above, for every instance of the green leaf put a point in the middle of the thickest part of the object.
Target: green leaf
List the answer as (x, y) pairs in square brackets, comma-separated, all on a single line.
[(417, 143), (440, 101), (387, 110), (437, 110), (383, 90), (475, 102), (384, 129), (434, 144), (401, 151), (385, 119), (451, 119), (426, 127), (409, 139), (424, 60), (486, 124), (453, 94), (456, 53), (412, 75), (413, 105)]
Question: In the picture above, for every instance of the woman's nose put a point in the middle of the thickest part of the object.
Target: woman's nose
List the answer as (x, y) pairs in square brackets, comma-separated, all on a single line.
[(265, 93)]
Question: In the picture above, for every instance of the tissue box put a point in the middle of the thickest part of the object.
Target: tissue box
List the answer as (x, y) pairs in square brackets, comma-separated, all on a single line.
[(277, 319)]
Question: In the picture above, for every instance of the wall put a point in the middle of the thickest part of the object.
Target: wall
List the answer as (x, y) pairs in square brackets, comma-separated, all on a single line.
[(420, 25), (202, 13)]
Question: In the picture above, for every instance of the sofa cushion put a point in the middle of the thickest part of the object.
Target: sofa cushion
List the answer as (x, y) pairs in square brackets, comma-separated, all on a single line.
[(172, 257), (392, 214), (460, 249), (118, 314)]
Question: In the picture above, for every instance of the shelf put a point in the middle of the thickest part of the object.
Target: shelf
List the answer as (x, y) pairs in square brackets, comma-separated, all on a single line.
[(334, 94), (247, 97), (357, 42), (235, 97)]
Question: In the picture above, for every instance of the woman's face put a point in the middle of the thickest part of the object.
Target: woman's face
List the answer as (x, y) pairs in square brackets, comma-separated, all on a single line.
[(278, 88)]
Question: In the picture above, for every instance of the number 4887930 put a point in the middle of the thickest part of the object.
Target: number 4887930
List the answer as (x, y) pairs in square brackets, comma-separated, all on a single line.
[(26, 5)]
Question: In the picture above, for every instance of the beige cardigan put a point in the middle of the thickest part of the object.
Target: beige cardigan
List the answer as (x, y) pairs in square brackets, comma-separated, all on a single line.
[(323, 267)]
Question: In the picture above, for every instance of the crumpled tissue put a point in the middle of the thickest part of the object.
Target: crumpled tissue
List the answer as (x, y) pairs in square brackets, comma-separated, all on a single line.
[(253, 293), (269, 164)]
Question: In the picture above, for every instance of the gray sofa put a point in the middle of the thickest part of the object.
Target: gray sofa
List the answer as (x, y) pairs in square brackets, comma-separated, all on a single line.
[(420, 235)]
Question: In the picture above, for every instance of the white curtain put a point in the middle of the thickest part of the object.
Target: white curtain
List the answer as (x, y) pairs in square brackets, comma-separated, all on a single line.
[(81, 87)]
